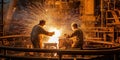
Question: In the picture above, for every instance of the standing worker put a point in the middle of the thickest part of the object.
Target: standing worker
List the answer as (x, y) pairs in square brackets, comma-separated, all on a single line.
[(37, 32)]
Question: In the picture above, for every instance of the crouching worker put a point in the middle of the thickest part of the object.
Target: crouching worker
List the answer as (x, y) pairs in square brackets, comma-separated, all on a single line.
[(77, 32)]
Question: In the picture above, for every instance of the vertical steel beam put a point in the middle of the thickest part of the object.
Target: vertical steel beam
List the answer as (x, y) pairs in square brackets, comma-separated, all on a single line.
[(102, 12)]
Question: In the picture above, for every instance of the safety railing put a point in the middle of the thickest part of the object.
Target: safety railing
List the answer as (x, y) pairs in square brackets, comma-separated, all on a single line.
[(12, 39), (101, 51), (106, 51)]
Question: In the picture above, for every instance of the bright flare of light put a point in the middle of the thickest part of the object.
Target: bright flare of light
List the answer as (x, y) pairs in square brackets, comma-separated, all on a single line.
[(55, 37)]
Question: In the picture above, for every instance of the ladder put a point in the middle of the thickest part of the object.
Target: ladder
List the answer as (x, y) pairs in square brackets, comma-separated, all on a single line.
[(115, 17), (112, 18)]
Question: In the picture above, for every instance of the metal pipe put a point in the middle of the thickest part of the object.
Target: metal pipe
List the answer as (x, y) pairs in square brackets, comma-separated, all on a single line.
[(2, 2)]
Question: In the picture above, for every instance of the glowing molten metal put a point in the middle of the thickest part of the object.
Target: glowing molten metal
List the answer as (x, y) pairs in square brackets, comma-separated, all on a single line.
[(55, 37)]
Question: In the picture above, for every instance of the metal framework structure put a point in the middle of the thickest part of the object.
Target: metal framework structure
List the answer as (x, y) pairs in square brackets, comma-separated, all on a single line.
[(107, 31)]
